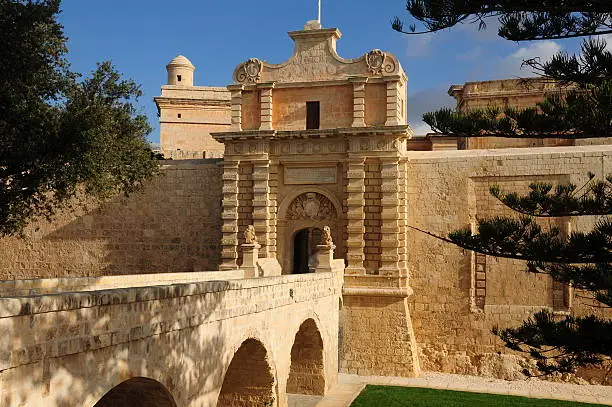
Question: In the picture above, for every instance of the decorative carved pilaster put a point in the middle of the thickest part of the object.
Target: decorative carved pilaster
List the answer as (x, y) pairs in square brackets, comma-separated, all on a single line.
[(236, 110), (273, 198), (355, 216), (261, 203), (393, 103), (229, 216), (358, 101), (562, 293), (265, 102), (392, 239)]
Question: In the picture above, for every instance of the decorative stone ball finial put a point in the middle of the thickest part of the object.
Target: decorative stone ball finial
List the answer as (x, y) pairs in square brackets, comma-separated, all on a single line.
[(249, 235), (326, 238)]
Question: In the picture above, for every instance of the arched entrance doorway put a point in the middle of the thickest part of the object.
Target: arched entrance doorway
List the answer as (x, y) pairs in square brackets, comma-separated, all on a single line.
[(248, 380), (138, 391), (300, 225), (305, 242), (306, 374)]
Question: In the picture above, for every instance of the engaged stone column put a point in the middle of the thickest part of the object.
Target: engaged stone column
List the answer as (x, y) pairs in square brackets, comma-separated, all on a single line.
[(273, 185), (261, 203), (355, 216), (358, 101), (229, 216), (236, 95), (250, 250), (391, 228), (265, 102), (393, 102)]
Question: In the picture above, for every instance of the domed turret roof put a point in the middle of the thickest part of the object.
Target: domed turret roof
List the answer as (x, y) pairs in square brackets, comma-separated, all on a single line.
[(181, 61)]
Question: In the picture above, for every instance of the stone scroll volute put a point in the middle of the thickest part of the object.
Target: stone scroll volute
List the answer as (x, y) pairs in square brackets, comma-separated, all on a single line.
[(248, 72)]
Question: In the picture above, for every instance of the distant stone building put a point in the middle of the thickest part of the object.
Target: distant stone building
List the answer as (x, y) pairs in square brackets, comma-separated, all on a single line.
[(189, 113)]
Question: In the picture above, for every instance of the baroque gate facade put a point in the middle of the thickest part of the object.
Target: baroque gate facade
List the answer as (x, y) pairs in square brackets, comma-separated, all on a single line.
[(318, 141)]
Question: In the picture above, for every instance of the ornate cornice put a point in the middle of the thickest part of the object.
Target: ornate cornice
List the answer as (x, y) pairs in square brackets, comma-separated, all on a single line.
[(402, 130)]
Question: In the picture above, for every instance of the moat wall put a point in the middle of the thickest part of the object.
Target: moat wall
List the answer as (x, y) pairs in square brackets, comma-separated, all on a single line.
[(458, 295), (172, 225)]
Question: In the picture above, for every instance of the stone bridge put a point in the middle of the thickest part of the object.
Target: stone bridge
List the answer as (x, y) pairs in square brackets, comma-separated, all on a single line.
[(169, 340)]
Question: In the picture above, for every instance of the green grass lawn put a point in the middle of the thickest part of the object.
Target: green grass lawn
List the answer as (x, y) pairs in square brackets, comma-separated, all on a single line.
[(391, 396)]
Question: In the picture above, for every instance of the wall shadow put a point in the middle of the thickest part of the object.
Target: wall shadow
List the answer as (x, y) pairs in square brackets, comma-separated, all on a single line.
[(172, 225)]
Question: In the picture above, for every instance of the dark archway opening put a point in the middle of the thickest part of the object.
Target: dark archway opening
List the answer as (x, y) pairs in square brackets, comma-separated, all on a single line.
[(307, 373), (305, 242), (138, 391), (248, 380)]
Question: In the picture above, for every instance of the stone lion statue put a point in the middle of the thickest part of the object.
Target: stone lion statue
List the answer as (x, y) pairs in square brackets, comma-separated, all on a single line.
[(249, 235), (326, 238)]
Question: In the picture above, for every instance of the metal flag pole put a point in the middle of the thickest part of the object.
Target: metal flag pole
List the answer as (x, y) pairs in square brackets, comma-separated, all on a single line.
[(319, 12)]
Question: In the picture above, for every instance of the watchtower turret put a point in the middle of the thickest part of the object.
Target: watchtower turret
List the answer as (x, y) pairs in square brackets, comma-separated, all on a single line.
[(180, 71)]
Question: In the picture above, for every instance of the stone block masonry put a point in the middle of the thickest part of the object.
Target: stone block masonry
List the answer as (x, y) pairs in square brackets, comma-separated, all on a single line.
[(459, 296), (235, 342), (173, 225)]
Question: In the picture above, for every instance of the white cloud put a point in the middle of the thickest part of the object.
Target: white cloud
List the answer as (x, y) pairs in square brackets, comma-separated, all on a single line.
[(608, 39), (419, 45), (421, 129), (489, 33), (424, 101), (510, 66), (474, 54)]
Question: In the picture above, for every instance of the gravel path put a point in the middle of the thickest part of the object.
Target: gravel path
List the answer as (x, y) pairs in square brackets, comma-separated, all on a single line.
[(349, 387)]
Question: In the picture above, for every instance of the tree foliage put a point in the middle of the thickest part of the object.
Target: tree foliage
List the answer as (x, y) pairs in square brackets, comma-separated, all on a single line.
[(520, 19), (62, 136), (581, 108)]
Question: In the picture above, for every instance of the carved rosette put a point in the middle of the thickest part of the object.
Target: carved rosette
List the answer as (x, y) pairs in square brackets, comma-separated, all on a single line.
[(313, 206), (378, 62), (249, 71)]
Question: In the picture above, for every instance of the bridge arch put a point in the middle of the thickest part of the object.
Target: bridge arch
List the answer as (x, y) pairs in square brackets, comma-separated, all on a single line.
[(137, 391), (307, 369), (249, 380)]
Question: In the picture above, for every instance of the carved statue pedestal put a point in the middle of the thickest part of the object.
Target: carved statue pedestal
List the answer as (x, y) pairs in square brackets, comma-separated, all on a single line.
[(325, 257), (250, 254)]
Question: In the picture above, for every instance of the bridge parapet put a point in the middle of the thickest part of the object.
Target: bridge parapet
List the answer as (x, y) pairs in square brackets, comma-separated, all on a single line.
[(182, 335)]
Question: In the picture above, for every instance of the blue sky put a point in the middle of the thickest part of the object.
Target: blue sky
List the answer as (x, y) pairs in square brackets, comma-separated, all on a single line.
[(140, 37)]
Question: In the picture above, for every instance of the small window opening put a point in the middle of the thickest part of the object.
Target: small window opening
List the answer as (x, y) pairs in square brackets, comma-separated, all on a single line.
[(178, 115), (313, 115), (178, 78)]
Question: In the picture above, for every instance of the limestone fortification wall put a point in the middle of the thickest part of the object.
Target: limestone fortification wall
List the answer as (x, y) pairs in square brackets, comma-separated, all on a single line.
[(459, 296), (173, 225)]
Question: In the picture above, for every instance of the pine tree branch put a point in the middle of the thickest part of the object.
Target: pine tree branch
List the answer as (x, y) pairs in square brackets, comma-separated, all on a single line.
[(544, 201), (519, 20), (575, 341)]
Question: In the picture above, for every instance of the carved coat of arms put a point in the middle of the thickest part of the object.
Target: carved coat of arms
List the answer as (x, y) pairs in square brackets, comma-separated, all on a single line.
[(375, 60), (311, 205)]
